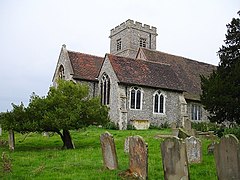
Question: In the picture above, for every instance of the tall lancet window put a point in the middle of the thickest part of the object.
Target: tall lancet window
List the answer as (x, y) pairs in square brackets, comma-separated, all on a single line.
[(135, 98), (158, 103), (61, 72), (105, 89)]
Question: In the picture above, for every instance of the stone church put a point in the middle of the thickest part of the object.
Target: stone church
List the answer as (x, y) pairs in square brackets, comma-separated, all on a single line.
[(139, 84)]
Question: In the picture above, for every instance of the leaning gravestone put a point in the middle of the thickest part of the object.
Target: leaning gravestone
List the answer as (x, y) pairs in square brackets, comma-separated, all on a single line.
[(227, 158), (11, 140), (138, 157), (194, 150), (109, 151), (174, 159)]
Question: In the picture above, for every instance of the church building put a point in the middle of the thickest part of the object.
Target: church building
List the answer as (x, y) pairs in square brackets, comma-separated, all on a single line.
[(140, 85)]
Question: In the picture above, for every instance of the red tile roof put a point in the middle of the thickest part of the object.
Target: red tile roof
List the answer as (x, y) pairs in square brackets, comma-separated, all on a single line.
[(139, 72), (188, 71), (85, 66)]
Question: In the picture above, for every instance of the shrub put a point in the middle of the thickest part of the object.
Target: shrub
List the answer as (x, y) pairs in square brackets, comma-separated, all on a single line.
[(130, 127), (205, 126), (164, 125), (6, 163), (111, 125), (235, 131)]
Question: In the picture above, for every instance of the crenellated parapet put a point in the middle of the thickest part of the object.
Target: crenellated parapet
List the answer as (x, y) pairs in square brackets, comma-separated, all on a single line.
[(135, 25)]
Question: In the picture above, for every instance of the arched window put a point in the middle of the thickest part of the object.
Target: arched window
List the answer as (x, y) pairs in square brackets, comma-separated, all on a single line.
[(196, 112), (135, 98), (158, 103), (61, 72), (105, 89)]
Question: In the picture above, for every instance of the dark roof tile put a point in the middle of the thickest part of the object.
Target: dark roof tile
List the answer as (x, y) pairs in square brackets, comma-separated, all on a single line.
[(85, 66), (144, 73), (188, 71)]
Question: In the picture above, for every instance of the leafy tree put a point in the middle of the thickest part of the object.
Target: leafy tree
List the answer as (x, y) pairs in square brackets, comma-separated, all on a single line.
[(221, 91), (65, 108)]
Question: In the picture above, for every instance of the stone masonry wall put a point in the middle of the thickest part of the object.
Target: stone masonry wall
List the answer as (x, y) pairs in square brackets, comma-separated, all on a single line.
[(172, 106), (65, 62), (93, 87), (114, 92)]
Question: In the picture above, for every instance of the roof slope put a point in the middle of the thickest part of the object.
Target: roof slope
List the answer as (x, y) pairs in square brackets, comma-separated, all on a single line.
[(85, 66), (139, 72), (188, 71)]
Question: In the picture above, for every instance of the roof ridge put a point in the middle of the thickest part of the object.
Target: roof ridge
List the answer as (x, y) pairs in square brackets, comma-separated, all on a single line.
[(135, 59), (186, 58), (154, 62), (85, 54)]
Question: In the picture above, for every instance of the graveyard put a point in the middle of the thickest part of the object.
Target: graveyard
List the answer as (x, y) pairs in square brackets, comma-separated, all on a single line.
[(40, 157)]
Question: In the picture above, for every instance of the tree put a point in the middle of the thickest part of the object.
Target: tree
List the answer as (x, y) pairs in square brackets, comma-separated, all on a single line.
[(65, 108), (221, 90)]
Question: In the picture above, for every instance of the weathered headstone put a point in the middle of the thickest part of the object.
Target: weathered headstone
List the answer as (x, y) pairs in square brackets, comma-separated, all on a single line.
[(174, 125), (174, 159), (187, 124), (109, 151), (175, 132), (0, 131), (138, 157), (182, 134), (194, 150), (11, 140), (126, 145), (210, 148), (227, 158)]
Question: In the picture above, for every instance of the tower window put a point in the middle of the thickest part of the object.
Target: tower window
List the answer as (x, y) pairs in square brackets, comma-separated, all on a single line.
[(119, 44), (143, 42), (105, 89)]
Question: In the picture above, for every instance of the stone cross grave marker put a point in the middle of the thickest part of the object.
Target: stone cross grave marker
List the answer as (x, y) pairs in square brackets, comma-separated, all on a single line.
[(194, 150), (11, 140), (174, 159), (138, 157), (109, 151), (227, 158)]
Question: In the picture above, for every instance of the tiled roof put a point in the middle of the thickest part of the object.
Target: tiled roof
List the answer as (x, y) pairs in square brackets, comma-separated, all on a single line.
[(188, 71), (139, 72), (85, 66)]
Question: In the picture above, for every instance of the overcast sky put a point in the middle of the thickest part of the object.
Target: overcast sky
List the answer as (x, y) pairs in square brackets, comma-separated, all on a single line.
[(33, 31)]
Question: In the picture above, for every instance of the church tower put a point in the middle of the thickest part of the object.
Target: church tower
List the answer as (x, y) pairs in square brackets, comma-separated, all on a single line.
[(129, 36)]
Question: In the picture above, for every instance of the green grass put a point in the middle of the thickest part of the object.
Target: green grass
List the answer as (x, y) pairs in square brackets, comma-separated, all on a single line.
[(39, 157)]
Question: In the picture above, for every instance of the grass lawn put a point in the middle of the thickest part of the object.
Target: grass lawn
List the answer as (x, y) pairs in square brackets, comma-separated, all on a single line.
[(40, 157)]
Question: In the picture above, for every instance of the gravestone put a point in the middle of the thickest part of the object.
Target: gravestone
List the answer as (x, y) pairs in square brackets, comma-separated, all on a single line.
[(210, 147), (11, 140), (126, 145), (173, 125), (174, 159), (227, 158), (138, 157), (0, 131), (194, 150), (109, 151), (187, 125)]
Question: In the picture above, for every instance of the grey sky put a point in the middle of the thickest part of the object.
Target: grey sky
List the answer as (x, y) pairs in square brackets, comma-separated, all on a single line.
[(32, 32)]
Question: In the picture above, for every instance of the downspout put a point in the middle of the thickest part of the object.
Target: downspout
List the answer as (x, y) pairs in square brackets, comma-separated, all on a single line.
[(94, 88), (150, 41)]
